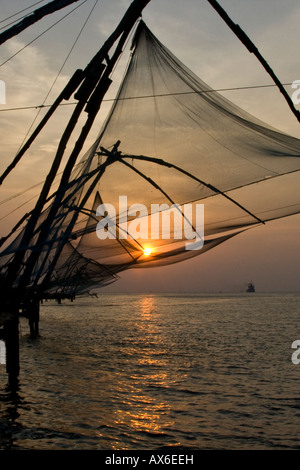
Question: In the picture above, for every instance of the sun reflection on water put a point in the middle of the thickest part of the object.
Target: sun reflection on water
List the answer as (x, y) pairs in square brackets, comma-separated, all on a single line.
[(147, 305), (141, 410)]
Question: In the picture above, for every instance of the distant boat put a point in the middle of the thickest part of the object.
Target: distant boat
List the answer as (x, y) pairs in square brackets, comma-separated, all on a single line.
[(251, 287)]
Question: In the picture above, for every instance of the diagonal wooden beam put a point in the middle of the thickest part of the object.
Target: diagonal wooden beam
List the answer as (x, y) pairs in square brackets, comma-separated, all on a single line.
[(34, 17), (253, 49)]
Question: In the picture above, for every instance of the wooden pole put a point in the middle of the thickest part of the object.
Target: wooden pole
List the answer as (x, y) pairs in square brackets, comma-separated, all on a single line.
[(253, 49), (37, 15)]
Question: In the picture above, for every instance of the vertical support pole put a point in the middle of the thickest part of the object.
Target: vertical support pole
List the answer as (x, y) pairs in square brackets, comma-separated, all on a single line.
[(32, 309)]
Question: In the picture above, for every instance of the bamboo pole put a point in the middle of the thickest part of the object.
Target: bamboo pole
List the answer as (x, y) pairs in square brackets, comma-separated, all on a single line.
[(253, 50), (37, 15)]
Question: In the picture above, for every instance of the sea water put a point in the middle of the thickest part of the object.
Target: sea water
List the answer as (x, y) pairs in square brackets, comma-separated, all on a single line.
[(145, 372)]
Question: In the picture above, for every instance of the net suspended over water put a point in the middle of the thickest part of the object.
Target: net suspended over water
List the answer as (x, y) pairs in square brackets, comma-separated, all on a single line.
[(170, 147)]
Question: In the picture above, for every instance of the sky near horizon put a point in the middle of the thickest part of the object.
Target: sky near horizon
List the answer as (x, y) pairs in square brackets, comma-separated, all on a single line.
[(269, 255)]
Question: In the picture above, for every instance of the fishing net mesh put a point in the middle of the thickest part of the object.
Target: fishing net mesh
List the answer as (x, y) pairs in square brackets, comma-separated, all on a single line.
[(169, 145)]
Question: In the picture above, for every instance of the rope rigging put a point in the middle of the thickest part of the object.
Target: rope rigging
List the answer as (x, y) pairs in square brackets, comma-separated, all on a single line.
[(60, 71), (41, 34), (37, 15), (216, 90), (20, 11)]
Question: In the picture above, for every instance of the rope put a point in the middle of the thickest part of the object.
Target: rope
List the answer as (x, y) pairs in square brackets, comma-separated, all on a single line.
[(59, 72), (21, 108), (21, 11)]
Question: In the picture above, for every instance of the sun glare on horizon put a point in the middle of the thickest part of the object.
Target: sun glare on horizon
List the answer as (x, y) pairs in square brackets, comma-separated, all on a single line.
[(147, 251)]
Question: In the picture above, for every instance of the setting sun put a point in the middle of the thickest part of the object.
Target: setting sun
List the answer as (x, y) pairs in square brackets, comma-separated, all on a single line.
[(147, 251)]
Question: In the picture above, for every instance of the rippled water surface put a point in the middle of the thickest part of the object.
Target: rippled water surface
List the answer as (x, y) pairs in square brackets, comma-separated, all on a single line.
[(153, 371)]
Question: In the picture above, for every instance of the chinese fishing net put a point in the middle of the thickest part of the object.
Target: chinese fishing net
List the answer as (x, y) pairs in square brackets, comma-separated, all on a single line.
[(169, 143)]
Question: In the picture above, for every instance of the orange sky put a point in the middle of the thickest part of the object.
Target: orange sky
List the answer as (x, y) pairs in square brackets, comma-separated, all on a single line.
[(269, 255)]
